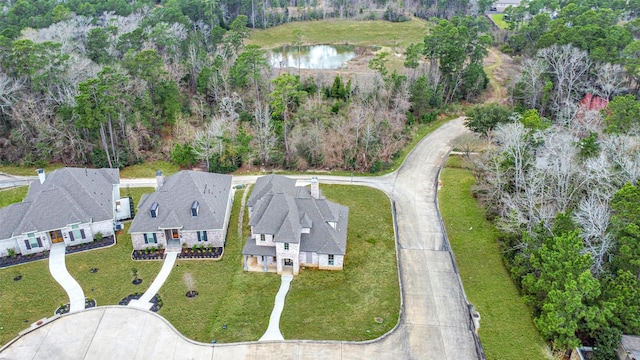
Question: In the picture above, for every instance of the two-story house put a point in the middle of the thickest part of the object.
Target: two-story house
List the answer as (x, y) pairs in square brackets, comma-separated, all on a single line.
[(293, 226)]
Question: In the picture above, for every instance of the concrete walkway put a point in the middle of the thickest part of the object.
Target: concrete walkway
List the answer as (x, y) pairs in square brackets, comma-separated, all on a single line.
[(145, 300), (435, 323), (273, 330), (58, 269)]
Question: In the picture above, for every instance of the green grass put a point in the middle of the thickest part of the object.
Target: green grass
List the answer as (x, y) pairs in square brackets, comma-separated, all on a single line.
[(148, 169), (13, 195), (363, 33), (506, 327), (24, 302), (320, 305), (342, 305), (498, 19), (28, 170)]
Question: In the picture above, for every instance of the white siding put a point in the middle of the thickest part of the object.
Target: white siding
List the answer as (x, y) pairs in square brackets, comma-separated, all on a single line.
[(268, 239), (323, 262), (7, 244), (293, 253)]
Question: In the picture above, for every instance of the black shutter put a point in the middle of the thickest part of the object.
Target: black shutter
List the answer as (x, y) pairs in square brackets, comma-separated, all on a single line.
[(199, 236), (155, 238), (39, 242), (204, 233), (146, 241), (71, 235), (26, 242), (82, 233)]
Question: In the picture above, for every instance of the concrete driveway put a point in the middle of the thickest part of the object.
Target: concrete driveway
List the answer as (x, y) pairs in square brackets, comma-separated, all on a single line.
[(434, 324)]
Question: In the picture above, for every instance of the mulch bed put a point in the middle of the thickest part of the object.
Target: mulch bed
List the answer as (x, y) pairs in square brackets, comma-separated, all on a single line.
[(156, 300), (17, 259), (106, 241), (209, 253), (185, 253), (144, 255), (88, 303)]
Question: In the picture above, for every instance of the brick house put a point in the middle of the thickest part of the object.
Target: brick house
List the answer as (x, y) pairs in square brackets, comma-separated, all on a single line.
[(70, 205), (293, 226), (188, 208)]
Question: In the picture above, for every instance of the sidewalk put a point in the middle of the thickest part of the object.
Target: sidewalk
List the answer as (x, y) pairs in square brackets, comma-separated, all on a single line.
[(167, 266), (273, 330), (58, 269)]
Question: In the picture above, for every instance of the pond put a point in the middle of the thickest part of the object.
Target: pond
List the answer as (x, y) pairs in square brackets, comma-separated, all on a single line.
[(312, 57)]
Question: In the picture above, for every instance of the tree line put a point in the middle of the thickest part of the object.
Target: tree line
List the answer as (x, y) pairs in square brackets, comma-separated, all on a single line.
[(560, 178), (177, 82)]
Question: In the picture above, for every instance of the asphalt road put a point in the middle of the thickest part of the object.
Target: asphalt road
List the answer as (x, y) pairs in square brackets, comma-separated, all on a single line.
[(435, 322)]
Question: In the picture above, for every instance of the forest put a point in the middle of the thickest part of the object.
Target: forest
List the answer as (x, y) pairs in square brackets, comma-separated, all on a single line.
[(115, 83), (559, 178)]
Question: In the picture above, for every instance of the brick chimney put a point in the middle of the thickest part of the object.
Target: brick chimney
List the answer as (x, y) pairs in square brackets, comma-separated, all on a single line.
[(315, 188), (159, 179)]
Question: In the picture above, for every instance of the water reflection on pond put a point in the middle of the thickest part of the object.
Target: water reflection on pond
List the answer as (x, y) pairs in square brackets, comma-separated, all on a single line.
[(312, 57)]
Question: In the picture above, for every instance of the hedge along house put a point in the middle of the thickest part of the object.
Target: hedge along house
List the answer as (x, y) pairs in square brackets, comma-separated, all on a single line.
[(293, 226), (188, 208), (70, 205)]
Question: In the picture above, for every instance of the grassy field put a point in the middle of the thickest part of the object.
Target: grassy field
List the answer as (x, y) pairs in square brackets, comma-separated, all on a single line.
[(498, 19), (364, 33), (13, 195), (228, 295), (148, 170), (506, 328), (344, 304), (28, 170)]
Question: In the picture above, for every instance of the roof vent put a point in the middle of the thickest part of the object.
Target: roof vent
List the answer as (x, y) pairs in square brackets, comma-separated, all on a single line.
[(195, 207), (154, 209)]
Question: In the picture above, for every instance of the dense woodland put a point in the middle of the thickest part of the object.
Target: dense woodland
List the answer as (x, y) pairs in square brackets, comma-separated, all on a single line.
[(560, 178), (113, 83)]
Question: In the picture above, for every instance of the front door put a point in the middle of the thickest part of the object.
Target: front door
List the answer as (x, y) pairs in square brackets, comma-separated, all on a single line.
[(56, 236), (288, 262)]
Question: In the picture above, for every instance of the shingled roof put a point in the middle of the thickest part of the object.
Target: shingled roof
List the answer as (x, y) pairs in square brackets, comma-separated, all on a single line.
[(283, 209), (175, 199), (67, 196)]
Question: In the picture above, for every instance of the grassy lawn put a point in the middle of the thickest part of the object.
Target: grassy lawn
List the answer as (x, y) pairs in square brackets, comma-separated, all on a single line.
[(344, 304), (499, 20), (350, 300), (28, 170), (13, 195), (364, 33), (506, 327), (148, 169)]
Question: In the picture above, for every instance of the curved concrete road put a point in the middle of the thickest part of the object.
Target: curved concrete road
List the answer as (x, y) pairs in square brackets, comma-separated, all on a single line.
[(434, 324)]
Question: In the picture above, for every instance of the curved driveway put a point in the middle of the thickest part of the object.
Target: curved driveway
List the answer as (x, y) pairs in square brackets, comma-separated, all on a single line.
[(434, 324)]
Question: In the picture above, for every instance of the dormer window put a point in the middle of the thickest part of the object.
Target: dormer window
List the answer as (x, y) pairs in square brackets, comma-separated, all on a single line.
[(154, 210), (195, 207)]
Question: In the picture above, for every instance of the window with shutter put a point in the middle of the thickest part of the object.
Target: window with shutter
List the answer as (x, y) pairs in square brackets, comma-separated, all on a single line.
[(71, 236), (26, 243)]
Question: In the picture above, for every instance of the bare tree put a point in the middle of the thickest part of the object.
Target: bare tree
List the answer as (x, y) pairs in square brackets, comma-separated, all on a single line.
[(264, 135), (209, 142), (9, 92), (569, 66), (592, 215), (609, 80), (468, 143), (532, 81)]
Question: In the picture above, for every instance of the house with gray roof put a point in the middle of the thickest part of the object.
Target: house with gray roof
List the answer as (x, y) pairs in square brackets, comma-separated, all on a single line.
[(70, 205), (293, 226), (187, 209)]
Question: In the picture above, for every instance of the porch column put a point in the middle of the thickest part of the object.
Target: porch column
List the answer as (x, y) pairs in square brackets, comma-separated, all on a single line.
[(244, 262), (264, 261)]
